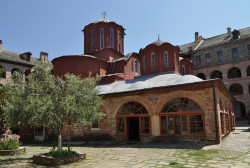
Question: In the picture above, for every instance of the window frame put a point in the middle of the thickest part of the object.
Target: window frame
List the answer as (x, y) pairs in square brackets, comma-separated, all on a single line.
[(101, 38), (132, 66), (111, 38), (166, 58), (220, 56), (235, 52), (183, 70), (152, 60), (136, 67), (208, 58), (198, 60)]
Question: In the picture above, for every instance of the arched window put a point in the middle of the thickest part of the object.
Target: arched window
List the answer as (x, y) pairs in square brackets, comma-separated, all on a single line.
[(234, 73), (2, 72), (92, 39), (236, 89), (111, 37), (152, 60), (119, 41), (201, 75), (183, 70), (182, 116), (216, 74), (248, 71), (101, 38), (166, 58), (136, 67), (135, 118), (132, 66)]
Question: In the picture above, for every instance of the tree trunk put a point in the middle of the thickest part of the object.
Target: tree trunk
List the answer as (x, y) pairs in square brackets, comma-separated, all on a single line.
[(59, 141)]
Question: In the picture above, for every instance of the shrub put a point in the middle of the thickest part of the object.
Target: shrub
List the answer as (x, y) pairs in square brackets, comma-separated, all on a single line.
[(55, 153), (9, 141)]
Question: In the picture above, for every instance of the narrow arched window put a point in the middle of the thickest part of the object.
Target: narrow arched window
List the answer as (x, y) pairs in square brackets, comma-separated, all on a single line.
[(101, 38), (132, 66), (112, 38), (144, 66), (136, 67), (216, 74), (92, 39), (152, 60), (119, 41), (183, 70), (234, 73), (166, 58)]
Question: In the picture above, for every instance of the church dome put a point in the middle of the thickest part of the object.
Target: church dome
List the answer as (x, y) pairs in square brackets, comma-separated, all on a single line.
[(158, 42)]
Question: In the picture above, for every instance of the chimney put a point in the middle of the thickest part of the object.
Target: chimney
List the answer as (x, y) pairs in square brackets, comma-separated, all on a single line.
[(196, 35), (229, 33), (43, 56), (1, 45)]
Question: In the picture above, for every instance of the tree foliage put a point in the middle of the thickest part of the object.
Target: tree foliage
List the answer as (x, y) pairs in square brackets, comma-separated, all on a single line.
[(45, 100)]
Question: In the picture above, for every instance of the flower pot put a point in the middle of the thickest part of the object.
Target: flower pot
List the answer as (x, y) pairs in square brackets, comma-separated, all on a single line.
[(13, 152)]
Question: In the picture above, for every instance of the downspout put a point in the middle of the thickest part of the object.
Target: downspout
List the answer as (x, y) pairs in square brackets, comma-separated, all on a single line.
[(216, 116)]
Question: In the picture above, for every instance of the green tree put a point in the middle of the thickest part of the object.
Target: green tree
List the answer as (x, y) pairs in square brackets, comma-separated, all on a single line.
[(45, 100)]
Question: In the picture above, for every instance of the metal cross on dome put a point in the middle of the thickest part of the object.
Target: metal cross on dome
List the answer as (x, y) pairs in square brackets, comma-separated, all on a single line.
[(104, 13)]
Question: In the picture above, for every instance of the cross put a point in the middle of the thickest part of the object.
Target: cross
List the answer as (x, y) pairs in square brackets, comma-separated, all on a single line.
[(158, 37), (104, 13)]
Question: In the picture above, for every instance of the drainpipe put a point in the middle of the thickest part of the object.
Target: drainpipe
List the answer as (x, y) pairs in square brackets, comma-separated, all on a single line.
[(216, 116)]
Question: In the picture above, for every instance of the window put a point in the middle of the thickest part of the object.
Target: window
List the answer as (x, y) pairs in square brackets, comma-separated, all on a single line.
[(182, 116), (144, 66), (236, 89), (235, 52), (207, 56), (132, 66), (92, 39), (136, 67), (112, 38), (145, 125), (101, 38), (119, 41), (183, 70), (120, 125), (166, 58), (219, 55), (234, 73), (248, 48), (198, 60), (153, 60), (95, 124)]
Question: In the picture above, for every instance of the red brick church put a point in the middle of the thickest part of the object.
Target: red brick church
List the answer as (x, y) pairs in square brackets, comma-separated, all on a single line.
[(147, 96)]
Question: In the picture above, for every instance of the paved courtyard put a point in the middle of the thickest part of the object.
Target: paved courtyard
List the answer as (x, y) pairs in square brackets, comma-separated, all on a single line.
[(233, 152)]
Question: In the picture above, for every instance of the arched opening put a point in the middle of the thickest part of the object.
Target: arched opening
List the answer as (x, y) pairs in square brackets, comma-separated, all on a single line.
[(133, 121), (201, 75), (216, 74), (248, 71), (234, 73), (239, 109), (182, 116), (2, 72), (13, 72), (236, 89)]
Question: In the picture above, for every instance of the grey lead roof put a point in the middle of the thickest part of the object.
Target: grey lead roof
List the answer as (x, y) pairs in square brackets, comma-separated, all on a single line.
[(216, 40), (147, 82), (15, 57), (105, 20)]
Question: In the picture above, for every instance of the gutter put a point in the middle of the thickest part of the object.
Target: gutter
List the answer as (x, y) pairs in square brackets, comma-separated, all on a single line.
[(216, 116)]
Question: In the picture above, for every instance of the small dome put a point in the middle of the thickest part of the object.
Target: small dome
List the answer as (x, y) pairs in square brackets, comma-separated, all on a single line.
[(105, 20), (158, 42)]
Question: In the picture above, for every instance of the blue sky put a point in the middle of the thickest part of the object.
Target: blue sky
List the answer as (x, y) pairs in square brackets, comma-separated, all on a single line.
[(54, 26)]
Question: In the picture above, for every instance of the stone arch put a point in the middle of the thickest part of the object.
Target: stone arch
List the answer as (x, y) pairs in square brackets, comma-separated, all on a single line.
[(201, 75), (2, 72), (236, 89), (216, 74), (248, 71), (132, 108), (234, 73), (239, 109)]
